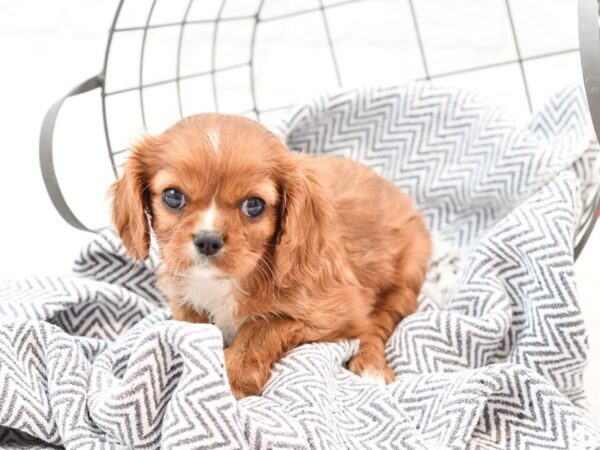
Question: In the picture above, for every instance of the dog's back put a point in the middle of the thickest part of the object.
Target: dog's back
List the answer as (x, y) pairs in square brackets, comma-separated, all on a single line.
[(380, 227)]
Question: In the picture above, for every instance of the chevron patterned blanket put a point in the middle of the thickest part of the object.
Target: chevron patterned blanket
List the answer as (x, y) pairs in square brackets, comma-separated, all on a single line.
[(494, 357)]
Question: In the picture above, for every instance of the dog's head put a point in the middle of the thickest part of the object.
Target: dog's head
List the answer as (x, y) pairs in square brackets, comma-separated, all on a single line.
[(225, 198)]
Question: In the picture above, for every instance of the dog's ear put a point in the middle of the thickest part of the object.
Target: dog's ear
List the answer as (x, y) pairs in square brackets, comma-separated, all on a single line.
[(129, 203), (304, 224)]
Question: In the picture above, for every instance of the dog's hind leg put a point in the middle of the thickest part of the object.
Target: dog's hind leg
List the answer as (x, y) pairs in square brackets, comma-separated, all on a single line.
[(370, 362), (392, 306)]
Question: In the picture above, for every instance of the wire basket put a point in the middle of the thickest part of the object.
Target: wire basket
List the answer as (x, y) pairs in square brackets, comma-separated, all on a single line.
[(166, 59)]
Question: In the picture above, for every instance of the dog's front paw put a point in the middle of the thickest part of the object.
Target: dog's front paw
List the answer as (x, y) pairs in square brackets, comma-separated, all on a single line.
[(245, 376)]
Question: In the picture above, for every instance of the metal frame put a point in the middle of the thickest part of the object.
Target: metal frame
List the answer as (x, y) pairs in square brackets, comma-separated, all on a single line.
[(589, 45), (589, 48), (249, 64)]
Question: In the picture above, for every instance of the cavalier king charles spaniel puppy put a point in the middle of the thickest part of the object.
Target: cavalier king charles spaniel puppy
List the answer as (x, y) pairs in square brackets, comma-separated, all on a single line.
[(273, 247)]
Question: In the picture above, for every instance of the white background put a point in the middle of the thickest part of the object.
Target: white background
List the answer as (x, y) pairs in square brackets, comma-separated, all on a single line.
[(47, 47)]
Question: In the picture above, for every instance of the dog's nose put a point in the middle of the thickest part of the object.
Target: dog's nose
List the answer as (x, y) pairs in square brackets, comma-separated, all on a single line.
[(208, 243)]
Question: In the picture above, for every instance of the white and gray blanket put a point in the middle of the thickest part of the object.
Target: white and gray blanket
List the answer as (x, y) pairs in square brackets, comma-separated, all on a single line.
[(493, 358)]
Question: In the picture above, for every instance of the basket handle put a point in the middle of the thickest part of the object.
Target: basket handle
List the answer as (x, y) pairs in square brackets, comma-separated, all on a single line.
[(46, 152), (589, 48)]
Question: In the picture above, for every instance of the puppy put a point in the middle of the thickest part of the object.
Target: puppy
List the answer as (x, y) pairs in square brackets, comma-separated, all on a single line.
[(274, 248)]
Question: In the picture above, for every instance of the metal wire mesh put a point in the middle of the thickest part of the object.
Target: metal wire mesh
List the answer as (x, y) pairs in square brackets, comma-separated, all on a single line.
[(225, 34)]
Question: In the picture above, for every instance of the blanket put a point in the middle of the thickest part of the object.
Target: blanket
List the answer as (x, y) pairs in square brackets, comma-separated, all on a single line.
[(493, 358)]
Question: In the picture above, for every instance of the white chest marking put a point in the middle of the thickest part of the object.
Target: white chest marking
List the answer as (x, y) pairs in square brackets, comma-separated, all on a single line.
[(204, 291)]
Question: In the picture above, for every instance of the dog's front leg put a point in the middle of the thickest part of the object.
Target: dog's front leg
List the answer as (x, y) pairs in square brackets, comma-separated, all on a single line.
[(258, 344), (185, 313)]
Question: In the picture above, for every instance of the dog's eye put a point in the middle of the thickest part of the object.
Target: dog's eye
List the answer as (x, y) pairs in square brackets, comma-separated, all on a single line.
[(253, 207), (173, 199)]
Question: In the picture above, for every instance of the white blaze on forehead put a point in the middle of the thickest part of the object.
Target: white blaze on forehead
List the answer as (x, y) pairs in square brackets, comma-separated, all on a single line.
[(209, 216), (208, 220), (213, 137)]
